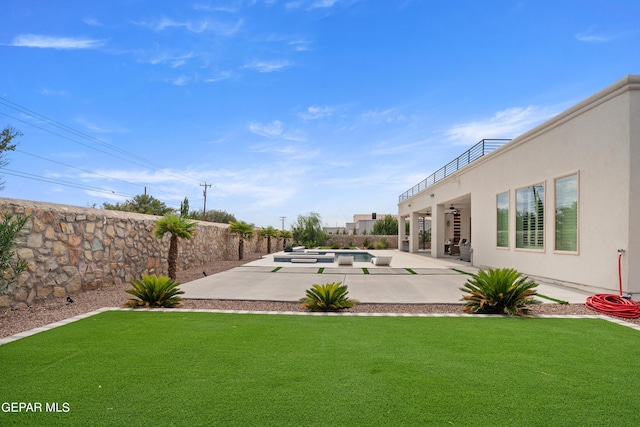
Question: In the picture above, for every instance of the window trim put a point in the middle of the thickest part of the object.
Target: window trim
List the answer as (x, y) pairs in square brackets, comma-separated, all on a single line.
[(555, 179), (508, 246), (544, 219)]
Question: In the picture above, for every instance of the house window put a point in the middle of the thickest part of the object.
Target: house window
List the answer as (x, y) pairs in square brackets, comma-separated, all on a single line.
[(567, 213), (530, 217), (502, 205)]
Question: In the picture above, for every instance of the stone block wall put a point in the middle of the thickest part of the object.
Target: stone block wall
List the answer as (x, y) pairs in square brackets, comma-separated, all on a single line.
[(70, 248)]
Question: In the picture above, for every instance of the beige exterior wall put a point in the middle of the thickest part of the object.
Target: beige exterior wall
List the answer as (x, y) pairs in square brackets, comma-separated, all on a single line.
[(599, 139)]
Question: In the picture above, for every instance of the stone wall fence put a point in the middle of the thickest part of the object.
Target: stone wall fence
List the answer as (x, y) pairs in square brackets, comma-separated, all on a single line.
[(71, 248)]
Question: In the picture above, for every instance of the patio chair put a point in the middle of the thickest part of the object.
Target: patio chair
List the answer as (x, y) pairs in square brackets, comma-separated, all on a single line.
[(345, 260), (380, 261)]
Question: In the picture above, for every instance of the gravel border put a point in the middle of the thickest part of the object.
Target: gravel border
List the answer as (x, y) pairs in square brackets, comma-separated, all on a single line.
[(52, 310)]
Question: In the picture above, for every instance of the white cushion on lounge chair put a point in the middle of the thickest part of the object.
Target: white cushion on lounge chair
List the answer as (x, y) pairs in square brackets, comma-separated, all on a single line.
[(381, 260), (345, 260)]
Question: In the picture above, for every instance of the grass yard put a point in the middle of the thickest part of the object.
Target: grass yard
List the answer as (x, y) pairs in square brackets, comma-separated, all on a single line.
[(142, 368)]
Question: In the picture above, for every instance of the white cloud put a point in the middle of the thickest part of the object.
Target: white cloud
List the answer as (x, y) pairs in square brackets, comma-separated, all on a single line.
[(315, 113), (92, 22), (318, 4), (174, 60), (180, 80), (48, 42), (218, 76), (507, 123), (300, 45), (268, 66), (593, 36), (206, 25), (273, 130), (269, 130), (386, 116)]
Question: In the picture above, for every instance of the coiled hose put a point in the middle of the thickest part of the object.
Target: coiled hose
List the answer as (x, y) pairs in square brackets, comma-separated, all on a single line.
[(615, 305)]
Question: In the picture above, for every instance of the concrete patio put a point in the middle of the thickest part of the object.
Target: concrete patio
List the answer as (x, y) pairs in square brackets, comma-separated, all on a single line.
[(435, 281)]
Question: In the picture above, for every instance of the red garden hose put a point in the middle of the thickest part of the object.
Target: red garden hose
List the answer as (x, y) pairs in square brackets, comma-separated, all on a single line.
[(615, 305)]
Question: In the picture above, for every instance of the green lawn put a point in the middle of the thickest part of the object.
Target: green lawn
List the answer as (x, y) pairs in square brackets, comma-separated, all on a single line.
[(142, 368)]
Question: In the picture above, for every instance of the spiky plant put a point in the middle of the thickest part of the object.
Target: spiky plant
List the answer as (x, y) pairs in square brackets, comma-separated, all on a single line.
[(328, 297), (499, 291), (154, 291)]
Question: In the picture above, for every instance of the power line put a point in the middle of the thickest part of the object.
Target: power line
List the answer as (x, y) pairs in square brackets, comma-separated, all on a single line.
[(93, 173), (75, 136), (65, 183), (83, 135)]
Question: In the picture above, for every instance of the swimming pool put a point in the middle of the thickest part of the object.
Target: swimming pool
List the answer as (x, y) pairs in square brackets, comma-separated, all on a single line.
[(323, 256)]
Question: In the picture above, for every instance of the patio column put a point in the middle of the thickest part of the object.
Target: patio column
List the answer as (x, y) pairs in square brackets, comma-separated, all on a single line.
[(401, 230), (414, 232), (437, 231)]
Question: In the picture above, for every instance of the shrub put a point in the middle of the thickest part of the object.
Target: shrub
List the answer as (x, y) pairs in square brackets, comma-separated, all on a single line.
[(335, 245), (366, 243), (154, 291), (10, 268), (328, 297), (499, 291), (383, 243)]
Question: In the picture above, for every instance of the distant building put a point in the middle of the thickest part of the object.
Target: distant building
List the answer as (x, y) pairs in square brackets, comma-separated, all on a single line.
[(361, 223)]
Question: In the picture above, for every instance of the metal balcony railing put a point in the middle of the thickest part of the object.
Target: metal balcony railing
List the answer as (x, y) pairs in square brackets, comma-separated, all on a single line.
[(474, 153)]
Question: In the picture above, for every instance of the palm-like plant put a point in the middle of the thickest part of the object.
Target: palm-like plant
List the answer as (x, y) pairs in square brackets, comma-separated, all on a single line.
[(328, 297), (179, 228), (154, 291), (499, 291), (242, 230), (269, 232)]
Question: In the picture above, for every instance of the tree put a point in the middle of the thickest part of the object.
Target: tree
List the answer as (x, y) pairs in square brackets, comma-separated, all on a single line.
[(179, 228), (6, 136), (284, 235), (242, 230), (308, 231), (143, 203), (269, 232), (387, 226), (214, 215), (10, 228), (184, 208)]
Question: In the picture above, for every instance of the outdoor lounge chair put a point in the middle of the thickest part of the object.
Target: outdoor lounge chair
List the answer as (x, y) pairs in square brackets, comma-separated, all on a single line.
[(381, 261), (345, 260)]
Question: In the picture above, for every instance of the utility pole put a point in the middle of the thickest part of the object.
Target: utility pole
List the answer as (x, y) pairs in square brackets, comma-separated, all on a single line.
[(282, 218), (204, 212)]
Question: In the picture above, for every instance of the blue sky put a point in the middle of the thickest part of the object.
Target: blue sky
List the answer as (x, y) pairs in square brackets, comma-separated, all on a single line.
[(286, 106)]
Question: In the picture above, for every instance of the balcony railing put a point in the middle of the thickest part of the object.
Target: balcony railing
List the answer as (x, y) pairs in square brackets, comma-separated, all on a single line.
[(474, 153)]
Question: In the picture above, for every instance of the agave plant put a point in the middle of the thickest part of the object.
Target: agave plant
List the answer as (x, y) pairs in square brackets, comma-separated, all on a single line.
[(499, 291), (154, 291), (328, 297)]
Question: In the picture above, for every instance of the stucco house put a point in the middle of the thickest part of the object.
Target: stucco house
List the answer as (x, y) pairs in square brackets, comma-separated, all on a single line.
[(560, 202)]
